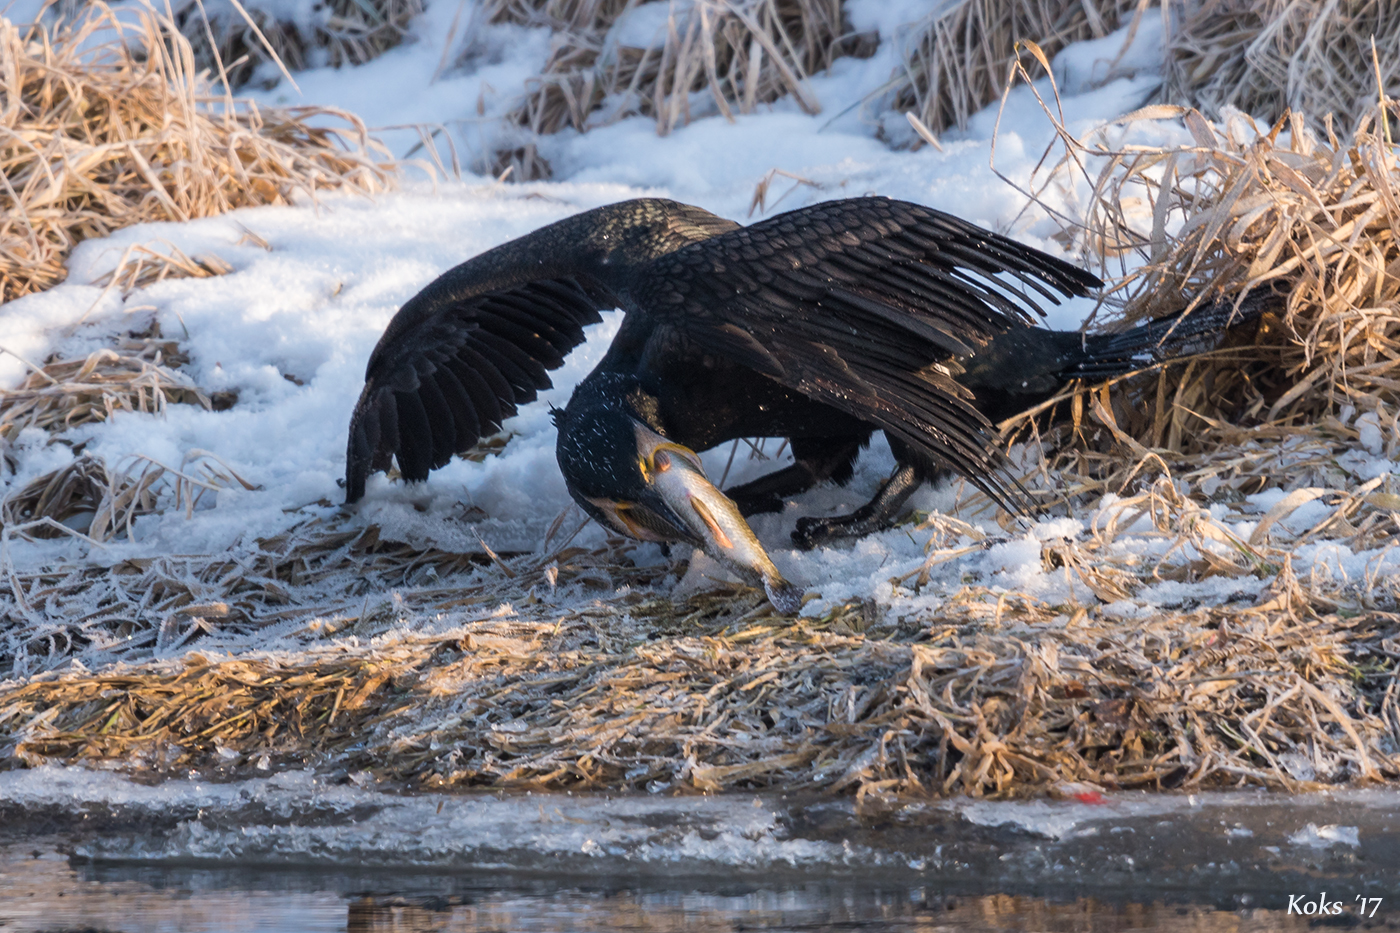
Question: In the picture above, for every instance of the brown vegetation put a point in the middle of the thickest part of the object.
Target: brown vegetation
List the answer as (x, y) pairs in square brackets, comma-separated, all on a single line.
[(349, 32), (1241, 210), (994, 693), (743, 52), (99, 136), (1266, 57), (960, 57)]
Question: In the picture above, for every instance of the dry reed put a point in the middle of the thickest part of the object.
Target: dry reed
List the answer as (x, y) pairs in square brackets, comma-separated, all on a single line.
[(100, 135), (1240, 210), (140, 374), (959, 56), (744, 53), (466, 670), (993, 693), (435, 669), (345, 32), (1265, 57), (142, 265)]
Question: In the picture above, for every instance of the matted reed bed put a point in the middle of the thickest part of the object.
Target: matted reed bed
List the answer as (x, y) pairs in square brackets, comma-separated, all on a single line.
[(108, 124), (993, 693)]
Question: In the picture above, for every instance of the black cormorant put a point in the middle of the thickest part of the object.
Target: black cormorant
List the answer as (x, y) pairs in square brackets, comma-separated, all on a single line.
[(820, 325)]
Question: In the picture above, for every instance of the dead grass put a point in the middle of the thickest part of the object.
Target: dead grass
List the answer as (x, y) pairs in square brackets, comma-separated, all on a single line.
[(107, 126), (347, 32), (317, 579), (88, 499), (958, 59), (572, 15), (743, 53), (432, 669), (1241, 209), (1313, 56), (1266, 57), (993, 693), (436, 669), (143, 265), (140, 374)]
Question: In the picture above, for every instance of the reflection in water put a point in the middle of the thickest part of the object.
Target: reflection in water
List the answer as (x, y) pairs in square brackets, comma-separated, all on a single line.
[(40, 892), (831, 910)]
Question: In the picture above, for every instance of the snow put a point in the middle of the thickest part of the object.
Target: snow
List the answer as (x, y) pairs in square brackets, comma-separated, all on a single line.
[(1086, 65), (645, 25), (290, 328)]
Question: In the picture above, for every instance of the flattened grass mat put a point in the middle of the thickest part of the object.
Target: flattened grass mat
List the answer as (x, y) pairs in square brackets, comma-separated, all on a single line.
[(995, 693)]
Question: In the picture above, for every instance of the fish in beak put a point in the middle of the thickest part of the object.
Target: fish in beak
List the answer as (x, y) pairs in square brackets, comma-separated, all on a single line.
[(678, 503)]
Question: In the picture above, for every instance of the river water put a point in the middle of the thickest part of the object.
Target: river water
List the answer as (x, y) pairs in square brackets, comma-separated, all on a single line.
[(85, 851), (43, 892)]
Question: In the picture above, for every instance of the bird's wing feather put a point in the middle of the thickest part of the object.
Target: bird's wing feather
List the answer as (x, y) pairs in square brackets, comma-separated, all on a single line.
[(854, 302), (450, 380), (479, 341), (849, 302)]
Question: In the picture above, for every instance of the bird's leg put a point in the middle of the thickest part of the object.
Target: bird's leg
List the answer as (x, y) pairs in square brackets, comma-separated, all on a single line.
[(816, 460), (879, 513)]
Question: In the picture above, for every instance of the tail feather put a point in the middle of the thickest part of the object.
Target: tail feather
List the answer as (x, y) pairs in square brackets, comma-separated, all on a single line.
[(1181, 334)]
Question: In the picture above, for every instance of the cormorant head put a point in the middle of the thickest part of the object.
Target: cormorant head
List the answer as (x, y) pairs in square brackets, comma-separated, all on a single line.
[(635, 481)]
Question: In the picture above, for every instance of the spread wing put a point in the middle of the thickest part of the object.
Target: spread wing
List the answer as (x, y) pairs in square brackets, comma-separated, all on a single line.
[(855, 302), (464, 353), (852, 302)]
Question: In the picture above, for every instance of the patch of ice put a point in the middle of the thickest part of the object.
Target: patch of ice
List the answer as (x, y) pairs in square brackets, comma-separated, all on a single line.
[(336, 823), (1324, 837)]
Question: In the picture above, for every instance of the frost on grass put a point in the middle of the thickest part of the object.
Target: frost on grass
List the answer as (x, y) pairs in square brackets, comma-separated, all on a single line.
[(987, 691)]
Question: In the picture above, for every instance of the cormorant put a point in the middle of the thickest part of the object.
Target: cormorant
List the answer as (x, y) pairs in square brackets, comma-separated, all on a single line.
[(820, 325)]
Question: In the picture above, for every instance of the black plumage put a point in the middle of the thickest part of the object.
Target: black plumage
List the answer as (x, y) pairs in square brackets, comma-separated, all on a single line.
[(821, 325)]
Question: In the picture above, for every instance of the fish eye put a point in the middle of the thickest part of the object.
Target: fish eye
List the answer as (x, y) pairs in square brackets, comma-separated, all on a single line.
[(658, 461), (662, 457)]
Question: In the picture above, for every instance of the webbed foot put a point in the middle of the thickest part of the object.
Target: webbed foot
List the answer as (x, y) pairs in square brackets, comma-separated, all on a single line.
[(876, 515)]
